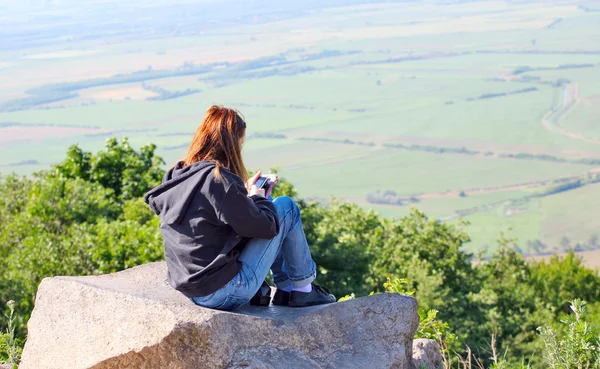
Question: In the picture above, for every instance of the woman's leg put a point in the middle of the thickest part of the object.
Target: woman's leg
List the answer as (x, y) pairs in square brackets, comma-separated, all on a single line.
[(287, 254), (294, 265)]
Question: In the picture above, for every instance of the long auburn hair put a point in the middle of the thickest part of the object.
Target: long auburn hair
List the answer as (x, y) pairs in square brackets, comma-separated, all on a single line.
[(219, 139)]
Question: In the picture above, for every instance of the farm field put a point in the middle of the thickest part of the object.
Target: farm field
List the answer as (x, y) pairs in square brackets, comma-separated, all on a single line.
[(483, 111)]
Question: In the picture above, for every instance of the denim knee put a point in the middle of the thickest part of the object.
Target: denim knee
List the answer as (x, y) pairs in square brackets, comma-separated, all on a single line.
[(285, 204)]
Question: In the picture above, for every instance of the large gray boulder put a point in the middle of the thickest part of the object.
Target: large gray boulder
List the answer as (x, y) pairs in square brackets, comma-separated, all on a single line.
[(134, 319)]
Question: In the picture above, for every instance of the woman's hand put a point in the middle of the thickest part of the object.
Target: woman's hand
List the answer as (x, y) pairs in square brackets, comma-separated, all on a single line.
[(252, 189), (252, 180)]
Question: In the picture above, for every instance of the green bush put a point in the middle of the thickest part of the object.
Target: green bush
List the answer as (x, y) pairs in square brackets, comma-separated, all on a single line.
[(561, 280), (573, 345), (83, 216), (430, 327), (511, 307), (128, 173), (342, 237), (431, 256)]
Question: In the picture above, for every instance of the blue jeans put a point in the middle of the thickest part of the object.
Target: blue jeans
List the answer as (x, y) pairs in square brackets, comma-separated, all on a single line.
[(287, 256)]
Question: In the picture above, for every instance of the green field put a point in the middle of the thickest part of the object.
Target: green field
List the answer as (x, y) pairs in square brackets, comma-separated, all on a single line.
[(517, 85)]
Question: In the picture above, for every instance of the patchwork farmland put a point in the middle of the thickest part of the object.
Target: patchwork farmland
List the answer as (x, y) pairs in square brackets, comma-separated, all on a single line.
[(483, 111)]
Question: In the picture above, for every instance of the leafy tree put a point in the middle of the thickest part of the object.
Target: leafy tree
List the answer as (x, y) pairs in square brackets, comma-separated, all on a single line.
[(430, 254), (83, 216), (122, 244), (130, 174), (565, 243), (510, 303), (341, 237), (563, 279)]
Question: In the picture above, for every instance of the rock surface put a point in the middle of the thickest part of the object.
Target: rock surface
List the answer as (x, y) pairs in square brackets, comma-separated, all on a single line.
[(426, 354), (6, 366), (134, 319)]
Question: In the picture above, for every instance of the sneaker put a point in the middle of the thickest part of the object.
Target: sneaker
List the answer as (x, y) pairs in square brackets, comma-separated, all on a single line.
[(318, 296), (281, 298), (262, 296)]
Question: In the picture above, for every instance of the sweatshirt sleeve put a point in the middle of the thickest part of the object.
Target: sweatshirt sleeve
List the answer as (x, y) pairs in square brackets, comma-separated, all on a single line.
[(253, 217)]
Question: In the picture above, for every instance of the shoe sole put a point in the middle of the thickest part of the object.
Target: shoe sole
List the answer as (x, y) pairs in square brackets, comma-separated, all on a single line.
[(281, 299), (295, 304)]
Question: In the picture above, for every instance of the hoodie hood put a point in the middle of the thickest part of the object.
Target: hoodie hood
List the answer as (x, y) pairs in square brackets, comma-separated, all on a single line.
[(171, 199)]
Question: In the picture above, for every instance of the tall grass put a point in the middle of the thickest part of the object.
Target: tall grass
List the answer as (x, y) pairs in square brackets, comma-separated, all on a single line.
[(575, 344), (10, 345)]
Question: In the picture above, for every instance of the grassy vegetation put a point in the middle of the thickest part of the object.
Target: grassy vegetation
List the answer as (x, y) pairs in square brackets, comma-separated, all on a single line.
[(385, 73)]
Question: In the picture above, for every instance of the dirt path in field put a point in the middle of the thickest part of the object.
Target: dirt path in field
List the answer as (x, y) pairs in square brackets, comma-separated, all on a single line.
[(570, 99)]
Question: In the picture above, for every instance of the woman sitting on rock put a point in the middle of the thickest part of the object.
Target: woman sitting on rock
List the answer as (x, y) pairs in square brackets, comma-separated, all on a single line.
[(221, 234)]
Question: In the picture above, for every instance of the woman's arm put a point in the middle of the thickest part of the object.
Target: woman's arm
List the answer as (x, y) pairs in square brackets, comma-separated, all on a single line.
[(251, 217)]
